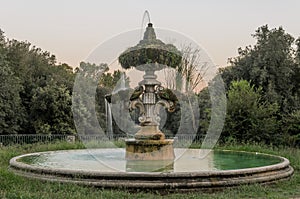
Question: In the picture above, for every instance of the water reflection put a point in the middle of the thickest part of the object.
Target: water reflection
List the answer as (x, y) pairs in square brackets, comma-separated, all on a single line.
[(112, 160)]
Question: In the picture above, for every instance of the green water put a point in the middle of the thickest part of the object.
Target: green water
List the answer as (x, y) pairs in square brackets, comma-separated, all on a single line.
[(228, 160)]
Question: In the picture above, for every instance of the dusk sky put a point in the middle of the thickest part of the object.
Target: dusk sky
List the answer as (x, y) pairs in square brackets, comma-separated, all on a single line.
[(72, 29)]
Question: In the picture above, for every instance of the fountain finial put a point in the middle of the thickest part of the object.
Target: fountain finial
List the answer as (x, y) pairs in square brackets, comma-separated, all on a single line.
[(149, 34)]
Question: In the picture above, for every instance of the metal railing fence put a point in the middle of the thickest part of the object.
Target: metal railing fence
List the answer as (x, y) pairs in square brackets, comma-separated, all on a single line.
[(42, 138)]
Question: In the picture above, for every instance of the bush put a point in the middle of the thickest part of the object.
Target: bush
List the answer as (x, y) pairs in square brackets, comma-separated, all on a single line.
[(249, 118), (290, 129)]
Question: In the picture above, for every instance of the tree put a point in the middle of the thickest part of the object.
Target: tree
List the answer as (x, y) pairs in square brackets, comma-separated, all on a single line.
[(189, 73), (26, 70), (291, 128), (51, 110), (296, 76), (11, 109), (269, 65), (109, 80), (112, 84), (205, 111), (84, 95), (249, 118)]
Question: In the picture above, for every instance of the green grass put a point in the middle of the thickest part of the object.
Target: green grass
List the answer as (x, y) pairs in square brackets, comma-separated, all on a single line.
[(13, 186)]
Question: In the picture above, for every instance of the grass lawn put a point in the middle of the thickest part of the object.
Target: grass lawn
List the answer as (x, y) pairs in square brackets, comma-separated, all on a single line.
[(13, 187)]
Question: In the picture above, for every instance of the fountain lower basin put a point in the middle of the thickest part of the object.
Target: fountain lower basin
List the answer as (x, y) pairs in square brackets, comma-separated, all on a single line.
[(108, 168)]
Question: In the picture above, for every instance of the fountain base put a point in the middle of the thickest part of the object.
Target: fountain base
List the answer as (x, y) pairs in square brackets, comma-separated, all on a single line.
[(149, 165), (149, 149), (107, 168), (149, 132)]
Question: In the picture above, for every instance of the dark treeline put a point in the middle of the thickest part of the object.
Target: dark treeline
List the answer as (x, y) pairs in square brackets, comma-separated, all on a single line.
[(262, 88), (263, 91), (35, 91)]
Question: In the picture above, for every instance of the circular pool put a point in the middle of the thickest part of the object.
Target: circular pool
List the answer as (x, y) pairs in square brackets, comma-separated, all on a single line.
[(108, 168)]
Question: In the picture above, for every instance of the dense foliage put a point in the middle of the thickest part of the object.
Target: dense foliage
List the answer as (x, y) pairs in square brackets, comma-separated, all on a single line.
[(249, 118), (35, 91), (262, 85), (273, 64), (11, 109)]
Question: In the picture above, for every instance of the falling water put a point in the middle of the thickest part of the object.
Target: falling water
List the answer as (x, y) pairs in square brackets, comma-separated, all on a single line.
[(109, 129), (121, 84), (146, 15)]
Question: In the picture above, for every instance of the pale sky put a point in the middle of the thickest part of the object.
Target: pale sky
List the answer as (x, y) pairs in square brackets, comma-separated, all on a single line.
[(71, 29)]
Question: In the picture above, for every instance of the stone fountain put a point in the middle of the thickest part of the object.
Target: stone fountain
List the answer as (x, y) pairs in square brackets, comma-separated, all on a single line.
[(149, 161), (149, 142)]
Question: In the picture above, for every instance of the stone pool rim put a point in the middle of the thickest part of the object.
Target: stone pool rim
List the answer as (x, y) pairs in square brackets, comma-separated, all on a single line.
[(194, 180)]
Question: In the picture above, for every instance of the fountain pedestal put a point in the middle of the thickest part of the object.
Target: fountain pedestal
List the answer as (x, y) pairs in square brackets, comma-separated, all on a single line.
[(149, 155), (150, 149), (149, 142)]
